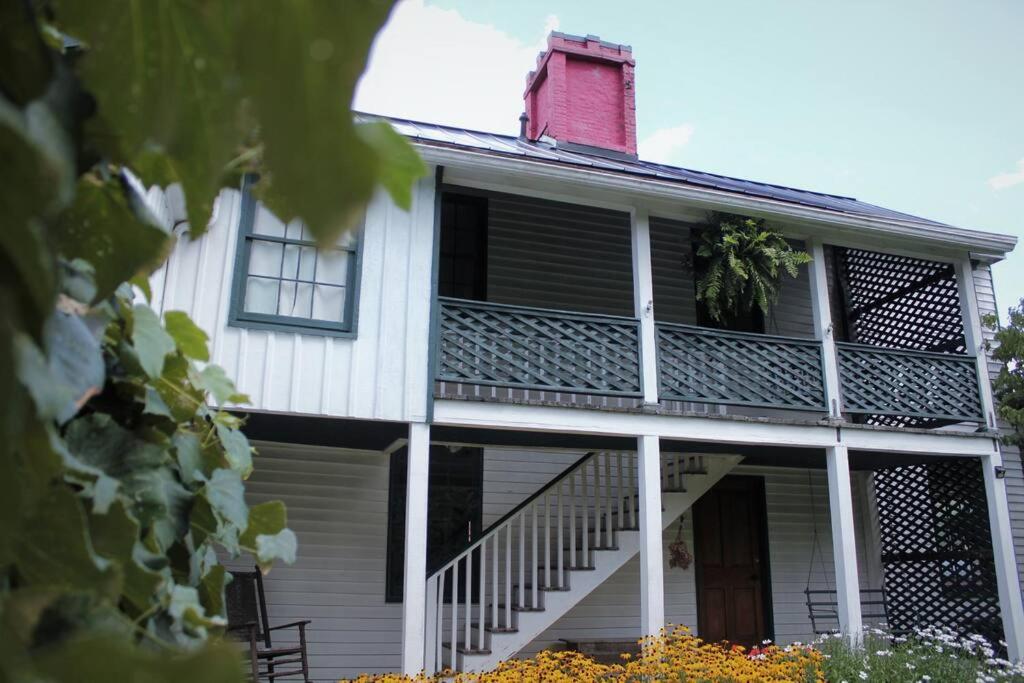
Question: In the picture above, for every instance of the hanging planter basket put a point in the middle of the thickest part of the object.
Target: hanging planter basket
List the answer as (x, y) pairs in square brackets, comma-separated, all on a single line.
[(679, 555)]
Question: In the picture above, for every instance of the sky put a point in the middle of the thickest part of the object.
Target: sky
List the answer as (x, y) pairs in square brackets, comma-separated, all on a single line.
[(916, 105)]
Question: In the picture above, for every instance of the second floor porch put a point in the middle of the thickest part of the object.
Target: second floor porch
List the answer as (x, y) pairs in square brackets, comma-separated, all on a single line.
[(548, 303)]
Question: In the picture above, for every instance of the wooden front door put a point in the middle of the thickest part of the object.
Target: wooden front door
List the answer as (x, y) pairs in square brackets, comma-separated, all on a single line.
[(730, 544)]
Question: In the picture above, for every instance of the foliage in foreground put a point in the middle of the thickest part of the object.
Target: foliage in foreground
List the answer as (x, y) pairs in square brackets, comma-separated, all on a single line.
[(1009, 384), (673, 656), (121, 484), (742, 262), (930, 654)]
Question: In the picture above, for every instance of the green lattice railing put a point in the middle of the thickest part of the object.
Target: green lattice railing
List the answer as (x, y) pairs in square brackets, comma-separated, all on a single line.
[(879, 381), (733, 368), (533, 348)]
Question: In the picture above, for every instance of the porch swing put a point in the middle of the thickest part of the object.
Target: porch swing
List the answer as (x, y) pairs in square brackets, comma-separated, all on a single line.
[(823, 604)]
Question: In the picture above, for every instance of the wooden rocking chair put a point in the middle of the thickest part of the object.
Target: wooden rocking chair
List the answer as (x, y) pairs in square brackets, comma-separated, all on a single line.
[(247, 617)]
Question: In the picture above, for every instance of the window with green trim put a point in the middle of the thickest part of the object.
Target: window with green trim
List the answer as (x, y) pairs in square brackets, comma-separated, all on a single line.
[(283, 280)]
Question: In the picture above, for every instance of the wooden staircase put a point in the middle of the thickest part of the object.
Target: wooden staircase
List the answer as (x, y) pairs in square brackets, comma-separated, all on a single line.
[(538, 561)]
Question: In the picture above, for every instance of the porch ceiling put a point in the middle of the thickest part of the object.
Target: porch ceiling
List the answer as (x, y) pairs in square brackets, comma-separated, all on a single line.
[(309, 430)]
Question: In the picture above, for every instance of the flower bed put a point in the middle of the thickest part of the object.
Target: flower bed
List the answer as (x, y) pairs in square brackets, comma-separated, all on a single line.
[(675, 656), (929, 656)]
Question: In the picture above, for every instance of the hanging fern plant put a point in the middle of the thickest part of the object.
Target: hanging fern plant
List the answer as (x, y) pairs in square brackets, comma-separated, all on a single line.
[(743, 263)]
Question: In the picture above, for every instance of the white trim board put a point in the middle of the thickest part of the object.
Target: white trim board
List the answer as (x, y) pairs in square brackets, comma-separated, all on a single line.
[(509, 416)]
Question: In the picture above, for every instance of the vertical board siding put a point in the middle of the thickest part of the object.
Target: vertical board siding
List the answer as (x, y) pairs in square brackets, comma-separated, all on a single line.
[(555, 255), (987, 305), (381, 373)]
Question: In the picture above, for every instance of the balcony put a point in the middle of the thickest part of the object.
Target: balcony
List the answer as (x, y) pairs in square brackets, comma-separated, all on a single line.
[(562, 356), (560, 304)]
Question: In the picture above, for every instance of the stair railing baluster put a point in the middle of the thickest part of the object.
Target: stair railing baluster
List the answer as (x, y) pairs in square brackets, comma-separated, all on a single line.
[(508, 576), (547, 540), (619, 492), (609, 532), (438, 653), (597, 500), (559, 544), (481, 596), (494, 579), (454, 642), (584, 517), (533, 561), (467, 596), (522, 559), (633, 492), (572, 522)]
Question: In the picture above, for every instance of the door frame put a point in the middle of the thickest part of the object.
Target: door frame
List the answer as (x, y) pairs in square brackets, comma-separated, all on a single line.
[(758, 481)]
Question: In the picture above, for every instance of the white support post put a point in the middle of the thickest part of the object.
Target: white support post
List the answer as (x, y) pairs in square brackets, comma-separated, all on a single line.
[(821, 309), (973, 337), (1003, 555), (643, 304), (652, 579), (844, 545), (414, 595)]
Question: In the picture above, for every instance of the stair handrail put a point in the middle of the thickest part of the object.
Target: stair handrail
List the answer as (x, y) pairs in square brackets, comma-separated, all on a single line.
[(455, 557)]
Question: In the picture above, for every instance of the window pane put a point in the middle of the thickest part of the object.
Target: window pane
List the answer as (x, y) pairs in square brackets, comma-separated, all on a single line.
[(261, 295), (265, 258), (329, 303), (332, 268), (294, 230), (291, 261), (295, 299), (307, 263), (267, 223)]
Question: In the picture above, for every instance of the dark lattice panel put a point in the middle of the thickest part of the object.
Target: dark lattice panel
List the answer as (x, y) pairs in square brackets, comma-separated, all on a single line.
[(512, 346), (710, 366), (898, 302), (937, 548), (914, 384)]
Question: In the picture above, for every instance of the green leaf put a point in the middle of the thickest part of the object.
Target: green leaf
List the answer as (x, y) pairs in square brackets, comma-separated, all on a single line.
[(104, 229), (237, 450), (51, 397), (213, 379), (151, 341), (400, 165), (211, 590), (301, 83), (190, 339), (264, 519), (280, 546), (56, 549), (226, 496), (115, 535), (190, 461)]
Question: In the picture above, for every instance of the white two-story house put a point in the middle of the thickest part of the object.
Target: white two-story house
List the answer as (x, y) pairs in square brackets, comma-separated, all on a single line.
[(494, 415)]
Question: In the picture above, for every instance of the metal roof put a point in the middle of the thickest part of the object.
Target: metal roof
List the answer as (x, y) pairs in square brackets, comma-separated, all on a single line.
[(508, 145)]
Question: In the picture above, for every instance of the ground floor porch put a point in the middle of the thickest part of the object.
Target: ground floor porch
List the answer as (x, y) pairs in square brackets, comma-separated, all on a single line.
[(760, 535)]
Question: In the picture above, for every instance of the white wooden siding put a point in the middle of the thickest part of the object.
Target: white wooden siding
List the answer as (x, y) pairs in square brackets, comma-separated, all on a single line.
[(987, 304), (379, 374), (337, 504)]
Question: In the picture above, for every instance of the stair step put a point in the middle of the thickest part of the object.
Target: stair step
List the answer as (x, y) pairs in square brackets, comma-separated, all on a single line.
[(463, 650), (578, 568), (501, 629)]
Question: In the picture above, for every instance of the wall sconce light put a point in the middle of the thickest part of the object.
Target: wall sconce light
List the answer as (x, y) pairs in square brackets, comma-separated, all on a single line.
[(1000, 472)]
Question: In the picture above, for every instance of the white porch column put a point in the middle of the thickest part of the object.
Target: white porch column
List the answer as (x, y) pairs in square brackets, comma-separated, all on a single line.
[(821, 308), (973, 337), (1003, 556), (414, 594), (643, 304), (652, 579), (844, 545)]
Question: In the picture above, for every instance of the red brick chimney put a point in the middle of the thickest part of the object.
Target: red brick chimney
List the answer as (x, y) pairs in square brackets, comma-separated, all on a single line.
[(582, 95)]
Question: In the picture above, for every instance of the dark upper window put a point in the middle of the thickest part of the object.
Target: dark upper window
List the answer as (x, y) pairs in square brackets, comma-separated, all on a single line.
[(462, 266), (454, 512), (284, 281)]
